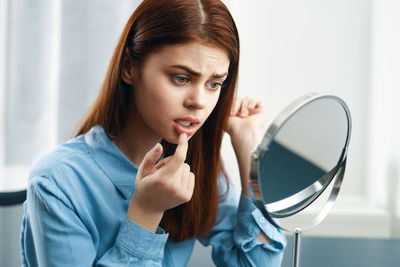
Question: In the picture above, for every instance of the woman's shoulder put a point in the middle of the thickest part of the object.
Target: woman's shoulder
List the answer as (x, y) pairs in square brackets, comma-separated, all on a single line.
[(61, 158), (227, 188)]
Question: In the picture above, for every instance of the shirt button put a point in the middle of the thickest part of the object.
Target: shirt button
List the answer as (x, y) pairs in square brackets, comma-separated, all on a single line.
[(262, 219)]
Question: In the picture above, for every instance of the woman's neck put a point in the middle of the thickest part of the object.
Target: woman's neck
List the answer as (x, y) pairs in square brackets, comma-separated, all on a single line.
[(135, 141)]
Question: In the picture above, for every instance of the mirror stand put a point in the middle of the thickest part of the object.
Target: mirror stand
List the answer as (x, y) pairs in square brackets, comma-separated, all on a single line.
[(297, 233), (296, 247)]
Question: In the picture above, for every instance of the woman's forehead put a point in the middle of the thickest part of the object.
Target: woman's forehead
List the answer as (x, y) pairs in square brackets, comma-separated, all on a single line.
[(198, 57)]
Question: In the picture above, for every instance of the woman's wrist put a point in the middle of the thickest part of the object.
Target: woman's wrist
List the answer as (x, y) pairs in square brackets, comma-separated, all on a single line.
[(245, 140), (144, 217), (243, 152)]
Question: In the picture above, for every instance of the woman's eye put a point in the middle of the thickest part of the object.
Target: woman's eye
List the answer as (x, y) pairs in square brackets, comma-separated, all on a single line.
[(214, 85), (180, 80)]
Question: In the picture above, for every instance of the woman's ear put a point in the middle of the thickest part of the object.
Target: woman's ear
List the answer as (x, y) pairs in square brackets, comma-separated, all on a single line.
[(128, 68)]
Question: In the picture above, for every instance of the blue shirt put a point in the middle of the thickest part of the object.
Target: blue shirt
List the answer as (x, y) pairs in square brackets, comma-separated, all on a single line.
[(75, 215)]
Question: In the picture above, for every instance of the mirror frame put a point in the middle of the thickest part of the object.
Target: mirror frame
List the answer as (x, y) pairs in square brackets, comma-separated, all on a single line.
[(290, 205)]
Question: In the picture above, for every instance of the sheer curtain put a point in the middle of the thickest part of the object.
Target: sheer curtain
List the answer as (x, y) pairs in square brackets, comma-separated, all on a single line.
[(54, 58)]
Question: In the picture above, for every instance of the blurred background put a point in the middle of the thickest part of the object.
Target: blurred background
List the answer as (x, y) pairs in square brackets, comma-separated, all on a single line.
[(54, 55)]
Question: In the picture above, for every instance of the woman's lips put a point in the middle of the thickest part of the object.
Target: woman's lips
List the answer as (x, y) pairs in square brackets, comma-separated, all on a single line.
[(189, 130)]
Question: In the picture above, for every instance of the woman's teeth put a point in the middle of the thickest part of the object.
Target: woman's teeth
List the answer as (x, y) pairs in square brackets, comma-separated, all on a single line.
[(185, 123)]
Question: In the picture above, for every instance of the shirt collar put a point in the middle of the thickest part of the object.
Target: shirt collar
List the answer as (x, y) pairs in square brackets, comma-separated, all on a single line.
[(118, 168)]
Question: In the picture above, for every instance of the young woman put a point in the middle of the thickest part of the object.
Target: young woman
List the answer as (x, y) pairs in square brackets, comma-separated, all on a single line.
[(143, 178)]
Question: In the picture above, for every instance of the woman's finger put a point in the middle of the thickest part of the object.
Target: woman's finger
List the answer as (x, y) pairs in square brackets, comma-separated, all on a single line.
[(179, 156), (149, 161), (162, 162), (190, 184), (252, 103), (235, 106), (244, 107)]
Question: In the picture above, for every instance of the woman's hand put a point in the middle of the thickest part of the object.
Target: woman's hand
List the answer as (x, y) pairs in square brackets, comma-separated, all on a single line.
[(246, 119), (161, 186)]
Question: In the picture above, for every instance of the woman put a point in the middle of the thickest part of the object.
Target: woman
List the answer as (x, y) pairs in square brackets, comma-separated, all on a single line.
[(115, 196)]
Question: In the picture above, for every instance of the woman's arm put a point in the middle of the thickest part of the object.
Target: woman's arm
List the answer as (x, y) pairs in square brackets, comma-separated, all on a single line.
[(247, 118), (234, 237), (53, 234)]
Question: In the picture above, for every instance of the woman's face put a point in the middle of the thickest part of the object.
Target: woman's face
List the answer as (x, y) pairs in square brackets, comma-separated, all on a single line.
[(177, 88)]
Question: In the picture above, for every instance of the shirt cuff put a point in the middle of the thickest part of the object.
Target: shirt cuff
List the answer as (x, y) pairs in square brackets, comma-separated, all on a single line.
[(251, 222), (141, 242)]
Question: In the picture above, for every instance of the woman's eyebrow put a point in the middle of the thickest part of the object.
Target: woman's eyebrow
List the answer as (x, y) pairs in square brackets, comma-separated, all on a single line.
[(197, 74)]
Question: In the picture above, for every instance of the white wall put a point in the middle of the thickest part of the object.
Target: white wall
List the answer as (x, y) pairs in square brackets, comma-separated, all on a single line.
[(383, 162), (3, 32), (293, 47)]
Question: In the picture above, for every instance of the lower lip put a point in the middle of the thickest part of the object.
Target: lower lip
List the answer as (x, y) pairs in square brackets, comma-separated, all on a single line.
[(188, 130)]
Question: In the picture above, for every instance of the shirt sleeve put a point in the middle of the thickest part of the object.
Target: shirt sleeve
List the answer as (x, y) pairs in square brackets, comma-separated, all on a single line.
[(54, 235), (234, 236)]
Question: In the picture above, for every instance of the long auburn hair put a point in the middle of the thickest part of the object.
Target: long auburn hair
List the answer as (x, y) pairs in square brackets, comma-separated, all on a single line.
[(154, 24)]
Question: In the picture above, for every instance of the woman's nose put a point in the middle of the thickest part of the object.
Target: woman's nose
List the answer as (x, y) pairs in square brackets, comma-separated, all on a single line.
[(196, 98)]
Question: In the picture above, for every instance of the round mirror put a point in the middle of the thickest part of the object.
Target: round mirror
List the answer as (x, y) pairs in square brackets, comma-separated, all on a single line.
[(302, 153)]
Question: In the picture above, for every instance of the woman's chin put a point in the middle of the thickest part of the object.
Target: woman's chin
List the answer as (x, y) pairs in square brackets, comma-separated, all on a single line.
[(171, 138), (174, 139)]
